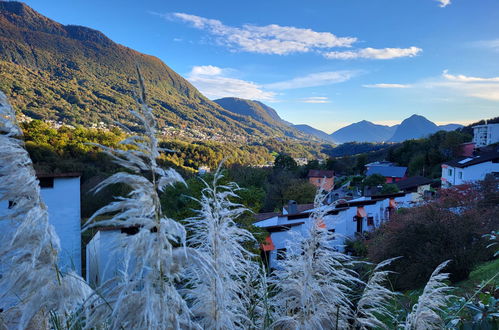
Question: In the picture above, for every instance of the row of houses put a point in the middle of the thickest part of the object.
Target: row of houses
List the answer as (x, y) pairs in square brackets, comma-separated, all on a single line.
[(349, 213), (345, 219)]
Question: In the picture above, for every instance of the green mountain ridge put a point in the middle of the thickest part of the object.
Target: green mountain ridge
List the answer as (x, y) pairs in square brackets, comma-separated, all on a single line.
[(77, 75)]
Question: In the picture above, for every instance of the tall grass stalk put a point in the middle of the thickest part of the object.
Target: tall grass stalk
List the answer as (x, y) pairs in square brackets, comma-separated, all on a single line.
[(144, 295), (426, 313), (216, 292), (32, 288), (313, 281)]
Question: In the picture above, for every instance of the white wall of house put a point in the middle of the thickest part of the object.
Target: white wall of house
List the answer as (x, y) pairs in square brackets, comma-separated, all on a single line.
[(105, 257), (344, 224), (452, 176), (63, 202)]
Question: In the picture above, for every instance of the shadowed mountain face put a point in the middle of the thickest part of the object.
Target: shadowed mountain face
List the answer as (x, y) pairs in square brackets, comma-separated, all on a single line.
[(79, 76), (414, 127), (363, 131), (314, 132), (253, 109), (263, 114)]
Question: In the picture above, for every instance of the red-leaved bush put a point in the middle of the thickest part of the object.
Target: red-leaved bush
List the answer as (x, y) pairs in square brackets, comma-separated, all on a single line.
[(448, 228)]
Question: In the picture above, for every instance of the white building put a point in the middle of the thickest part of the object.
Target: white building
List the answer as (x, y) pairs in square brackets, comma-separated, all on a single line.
[(484, 135), (470, 169), (105, 255), (61, 194), (344, 219)]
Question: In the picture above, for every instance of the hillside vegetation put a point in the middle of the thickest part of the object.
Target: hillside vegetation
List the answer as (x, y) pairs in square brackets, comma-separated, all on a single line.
[(77, 75)]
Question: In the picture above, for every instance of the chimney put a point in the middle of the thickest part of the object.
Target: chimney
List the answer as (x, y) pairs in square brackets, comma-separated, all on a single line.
[(292, 207)]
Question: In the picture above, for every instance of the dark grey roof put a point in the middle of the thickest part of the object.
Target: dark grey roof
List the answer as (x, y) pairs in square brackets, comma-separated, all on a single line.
[(387, 171), (320, 174), (463, 162), (413, 182)]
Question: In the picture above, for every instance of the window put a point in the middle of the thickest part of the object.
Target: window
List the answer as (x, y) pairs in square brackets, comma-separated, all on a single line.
[(449, 172), (460, 175), (46, 182), (370, 221)]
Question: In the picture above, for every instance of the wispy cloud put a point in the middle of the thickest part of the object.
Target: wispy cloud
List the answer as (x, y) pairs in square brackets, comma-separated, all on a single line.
[(387, 86), (314, 80), (284, 40), (215, 82), (478, 87), (374, 53), (463, 78), (444, 3), (487, 44), (315, 99), (268, 39)]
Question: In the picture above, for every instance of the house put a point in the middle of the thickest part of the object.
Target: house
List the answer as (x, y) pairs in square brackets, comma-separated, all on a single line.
[(470, 169), (345, 219), (322, 178), (391, 172), (61, 194), (202, 170), (105, 255), (484, 135), (301, 161)]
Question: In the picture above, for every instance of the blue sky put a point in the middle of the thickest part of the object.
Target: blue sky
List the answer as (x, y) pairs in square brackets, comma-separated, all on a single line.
[(326, 63)]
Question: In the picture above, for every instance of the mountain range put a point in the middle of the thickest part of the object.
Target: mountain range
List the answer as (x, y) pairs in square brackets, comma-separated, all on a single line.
[(413, 127), (76, 75)]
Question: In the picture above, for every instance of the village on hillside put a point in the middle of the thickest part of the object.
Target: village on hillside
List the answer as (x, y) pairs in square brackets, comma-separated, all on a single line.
[(350, 212)]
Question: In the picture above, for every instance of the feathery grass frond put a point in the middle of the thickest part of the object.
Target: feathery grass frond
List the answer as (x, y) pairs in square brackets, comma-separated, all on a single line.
[(375, 299), (313, 281), (144, 295), (426, 312), (31, 285), (217, 302)]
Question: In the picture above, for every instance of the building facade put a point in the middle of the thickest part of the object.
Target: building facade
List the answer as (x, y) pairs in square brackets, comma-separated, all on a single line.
[(484, 135), (61, 194)]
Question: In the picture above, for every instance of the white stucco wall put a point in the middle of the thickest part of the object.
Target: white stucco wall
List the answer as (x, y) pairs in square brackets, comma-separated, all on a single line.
[(105, 257), (468, 174), (63, 202)]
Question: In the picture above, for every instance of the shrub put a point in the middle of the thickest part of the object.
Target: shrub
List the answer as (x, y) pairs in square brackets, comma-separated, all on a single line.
[(450, 228)]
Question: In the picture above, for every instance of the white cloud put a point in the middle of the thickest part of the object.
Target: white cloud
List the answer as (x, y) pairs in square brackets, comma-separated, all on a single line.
[(374, 53), (463, 78), (478, 87), (315, 99), (444, 3), (213, 83), (268, 39), (487, 44), (387, 86), (314, 80)]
